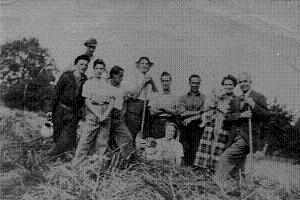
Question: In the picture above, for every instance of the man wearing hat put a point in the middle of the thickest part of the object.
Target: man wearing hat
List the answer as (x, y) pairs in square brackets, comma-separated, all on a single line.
[(91, 45)]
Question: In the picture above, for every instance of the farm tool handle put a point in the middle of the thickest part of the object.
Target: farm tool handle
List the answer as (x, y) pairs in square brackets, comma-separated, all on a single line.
[(144, 114), (250, 142)]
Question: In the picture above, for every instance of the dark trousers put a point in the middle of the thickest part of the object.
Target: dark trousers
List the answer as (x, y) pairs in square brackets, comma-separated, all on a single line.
[(190, 139), (65, 123), (156, 127), (233, 160), (134, 116)]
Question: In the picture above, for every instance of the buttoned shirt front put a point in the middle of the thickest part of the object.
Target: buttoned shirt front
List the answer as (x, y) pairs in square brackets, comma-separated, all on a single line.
[(161, 100), (192, 101), (100, 91)]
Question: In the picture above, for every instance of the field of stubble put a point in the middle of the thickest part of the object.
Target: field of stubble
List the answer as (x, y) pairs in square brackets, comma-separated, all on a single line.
[(23, 175)]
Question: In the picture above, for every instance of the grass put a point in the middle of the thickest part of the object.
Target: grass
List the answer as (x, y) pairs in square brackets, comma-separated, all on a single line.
[(24, 175)]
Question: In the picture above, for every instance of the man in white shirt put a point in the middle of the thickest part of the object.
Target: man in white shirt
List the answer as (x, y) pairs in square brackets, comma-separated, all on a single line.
[(141, 86), (99, 101), (119, 130), (162, 105)]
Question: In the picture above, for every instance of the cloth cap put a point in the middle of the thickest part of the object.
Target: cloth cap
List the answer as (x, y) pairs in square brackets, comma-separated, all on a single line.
[(91, 42)]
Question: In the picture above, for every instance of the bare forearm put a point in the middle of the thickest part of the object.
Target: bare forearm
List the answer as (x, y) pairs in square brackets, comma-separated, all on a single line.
[(186, 114), (155, 111), (196, 117)]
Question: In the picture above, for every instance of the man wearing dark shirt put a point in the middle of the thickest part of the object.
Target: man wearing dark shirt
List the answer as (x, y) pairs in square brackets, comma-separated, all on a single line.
[(191, 108), (67, 104)]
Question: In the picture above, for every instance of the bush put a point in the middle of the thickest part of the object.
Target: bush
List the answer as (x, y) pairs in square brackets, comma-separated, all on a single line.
[(26, 72)]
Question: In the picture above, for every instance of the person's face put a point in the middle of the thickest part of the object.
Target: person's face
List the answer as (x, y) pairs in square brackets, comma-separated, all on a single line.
[(165, 82), (82, 66), (170, 131), (143, 66), (117, 78), (98, 70), (228, 86), (244, 82), (90, 50), (195, 84)]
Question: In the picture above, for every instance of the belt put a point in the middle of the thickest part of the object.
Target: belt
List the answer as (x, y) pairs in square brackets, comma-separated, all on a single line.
[(68, 108)]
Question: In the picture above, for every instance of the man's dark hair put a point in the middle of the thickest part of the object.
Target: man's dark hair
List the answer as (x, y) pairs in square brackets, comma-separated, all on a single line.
[(82, 57), (115, 71), (99, 61), (194, 76), (229, 77), (166, 74)]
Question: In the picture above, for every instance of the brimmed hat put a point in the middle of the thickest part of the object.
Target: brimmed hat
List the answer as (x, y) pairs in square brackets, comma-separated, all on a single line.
[(91, 42), (144, 57)]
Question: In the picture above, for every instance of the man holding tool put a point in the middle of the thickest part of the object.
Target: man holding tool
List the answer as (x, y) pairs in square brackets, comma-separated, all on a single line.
[(246, 117)]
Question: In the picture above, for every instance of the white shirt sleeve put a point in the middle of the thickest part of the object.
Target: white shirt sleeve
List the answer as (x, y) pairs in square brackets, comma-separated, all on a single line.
[(178, 148), (153, 100), (86, 89)]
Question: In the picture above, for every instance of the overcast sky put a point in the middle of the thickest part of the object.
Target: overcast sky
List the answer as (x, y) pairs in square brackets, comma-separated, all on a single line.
[(211, 39)]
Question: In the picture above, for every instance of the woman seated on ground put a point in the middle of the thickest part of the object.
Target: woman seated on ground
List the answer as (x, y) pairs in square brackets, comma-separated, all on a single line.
[(167, 149), (214, 139)]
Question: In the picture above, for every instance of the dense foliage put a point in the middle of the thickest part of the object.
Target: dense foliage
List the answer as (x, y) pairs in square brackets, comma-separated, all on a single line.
[(26, 71), (282, 137)]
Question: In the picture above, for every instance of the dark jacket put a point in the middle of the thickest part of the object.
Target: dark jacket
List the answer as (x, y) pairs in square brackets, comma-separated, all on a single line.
[(66, 92), (238, 126)]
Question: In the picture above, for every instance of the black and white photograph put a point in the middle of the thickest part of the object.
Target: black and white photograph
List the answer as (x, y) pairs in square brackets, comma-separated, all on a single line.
[(150, 99)]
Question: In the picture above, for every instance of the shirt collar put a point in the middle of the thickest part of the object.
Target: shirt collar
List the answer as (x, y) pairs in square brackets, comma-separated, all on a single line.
[(247, 93), (190, 93)]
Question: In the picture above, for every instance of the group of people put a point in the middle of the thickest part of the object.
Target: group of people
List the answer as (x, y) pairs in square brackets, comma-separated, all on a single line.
[(210, 132)]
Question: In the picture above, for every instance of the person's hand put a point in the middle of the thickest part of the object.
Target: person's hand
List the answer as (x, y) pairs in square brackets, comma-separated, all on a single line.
[(147, 80), (49, 116), (246, 114), (250, 101), (127, 95), (111, 102), (187, 121)]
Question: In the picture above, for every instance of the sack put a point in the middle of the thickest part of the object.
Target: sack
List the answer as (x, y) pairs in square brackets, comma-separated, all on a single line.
[(47, 130)]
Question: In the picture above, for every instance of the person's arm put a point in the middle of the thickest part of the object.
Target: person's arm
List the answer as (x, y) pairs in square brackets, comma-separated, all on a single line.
[(138, 88), (188, 114), (155, 111), (190, 119), (96, 109), (153, 106), (179, 154), (58, 91), (234, 112)]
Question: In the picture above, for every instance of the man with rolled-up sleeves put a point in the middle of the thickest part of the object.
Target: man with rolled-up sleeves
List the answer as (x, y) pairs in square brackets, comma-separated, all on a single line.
[(191, 107)]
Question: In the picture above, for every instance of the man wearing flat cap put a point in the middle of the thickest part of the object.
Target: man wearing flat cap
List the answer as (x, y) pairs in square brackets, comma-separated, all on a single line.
[(91, 45)]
